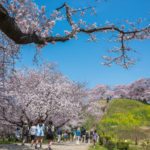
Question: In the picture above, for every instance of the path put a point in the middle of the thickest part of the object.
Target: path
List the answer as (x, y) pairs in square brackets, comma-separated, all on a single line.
[(55, 146)]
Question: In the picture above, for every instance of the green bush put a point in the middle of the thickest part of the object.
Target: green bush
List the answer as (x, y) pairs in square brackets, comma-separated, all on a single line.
[(108, 138), (121, 145), (101, 140), (104, 139), (110, 145)]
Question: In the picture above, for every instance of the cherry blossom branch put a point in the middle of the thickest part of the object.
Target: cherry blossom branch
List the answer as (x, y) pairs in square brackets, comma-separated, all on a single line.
[(62, 124), (68, 14), (76, 10), (13, 31), (40, 32)]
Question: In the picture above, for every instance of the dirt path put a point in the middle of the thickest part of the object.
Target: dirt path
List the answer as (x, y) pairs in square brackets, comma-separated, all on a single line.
[(55, 146)]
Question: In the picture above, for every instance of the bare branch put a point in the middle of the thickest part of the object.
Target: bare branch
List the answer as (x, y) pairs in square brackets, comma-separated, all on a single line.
[(76, 10)]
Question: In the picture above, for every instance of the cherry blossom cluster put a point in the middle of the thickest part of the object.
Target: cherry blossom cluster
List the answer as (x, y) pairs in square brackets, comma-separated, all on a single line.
[(98, 92), (9, 53), (30, 18), (44, 94), (139, 90), (36, 26)]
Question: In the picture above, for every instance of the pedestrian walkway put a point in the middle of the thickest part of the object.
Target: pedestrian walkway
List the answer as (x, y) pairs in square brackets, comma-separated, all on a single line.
[(55, 146)]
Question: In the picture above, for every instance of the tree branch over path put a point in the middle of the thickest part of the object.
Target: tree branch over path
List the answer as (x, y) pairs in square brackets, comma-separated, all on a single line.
[(11, 29), (39, 30)]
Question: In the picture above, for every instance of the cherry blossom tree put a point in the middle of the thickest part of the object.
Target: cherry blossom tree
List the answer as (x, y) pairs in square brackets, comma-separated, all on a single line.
[(98, 92), (24, 22), (41, 94), (140, 89), (121, 91)]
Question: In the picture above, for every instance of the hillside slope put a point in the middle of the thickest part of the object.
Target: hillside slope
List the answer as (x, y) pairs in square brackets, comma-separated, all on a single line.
[(93, 113), (126, 119)]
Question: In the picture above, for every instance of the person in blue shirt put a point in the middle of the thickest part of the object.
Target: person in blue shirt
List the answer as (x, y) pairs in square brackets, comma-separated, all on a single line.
[(78, 135), (73, 135), (40, 133)]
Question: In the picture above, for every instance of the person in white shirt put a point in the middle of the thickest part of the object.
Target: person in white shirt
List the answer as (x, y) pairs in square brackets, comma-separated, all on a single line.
[(33, 133), (17, 134)]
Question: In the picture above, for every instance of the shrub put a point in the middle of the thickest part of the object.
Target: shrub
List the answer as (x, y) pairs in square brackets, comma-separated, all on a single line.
[(110, 145), (104, 139), (121, 145), (108, 138), (101, 140)]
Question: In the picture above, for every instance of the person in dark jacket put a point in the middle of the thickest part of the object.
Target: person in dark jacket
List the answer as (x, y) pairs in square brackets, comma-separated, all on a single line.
[(25, 132), (87, 136), (59, 134), (50, 135), (91, 136), (83, 134)]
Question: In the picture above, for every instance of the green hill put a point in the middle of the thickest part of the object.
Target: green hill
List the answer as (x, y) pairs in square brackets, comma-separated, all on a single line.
[(126, 119)]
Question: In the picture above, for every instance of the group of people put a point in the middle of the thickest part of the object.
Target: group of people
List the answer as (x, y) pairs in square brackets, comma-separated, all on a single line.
[(38, 130), (84, 136), (80, 135)]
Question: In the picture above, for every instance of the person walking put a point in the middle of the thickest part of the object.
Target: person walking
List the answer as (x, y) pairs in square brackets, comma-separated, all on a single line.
[(17, 134), (59, 134), (78, 135), (73, 135), (94, 138), (65, 136), (69, 134), (50, 135), (91, 136), (33, 133), (25, 132), (39, 133), (87, 136), (83, 134), (136, 141)]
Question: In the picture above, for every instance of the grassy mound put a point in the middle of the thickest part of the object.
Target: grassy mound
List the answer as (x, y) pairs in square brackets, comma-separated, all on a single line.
[(126, 119)]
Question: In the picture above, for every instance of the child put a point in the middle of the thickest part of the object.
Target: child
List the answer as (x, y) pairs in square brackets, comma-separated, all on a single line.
[(65, 136)]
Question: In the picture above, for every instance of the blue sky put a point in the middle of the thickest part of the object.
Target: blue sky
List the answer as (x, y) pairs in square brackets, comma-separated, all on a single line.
[(80, 60)]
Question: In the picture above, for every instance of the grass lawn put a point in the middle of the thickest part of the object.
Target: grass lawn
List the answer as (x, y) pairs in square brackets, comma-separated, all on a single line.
[(127, 119)]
